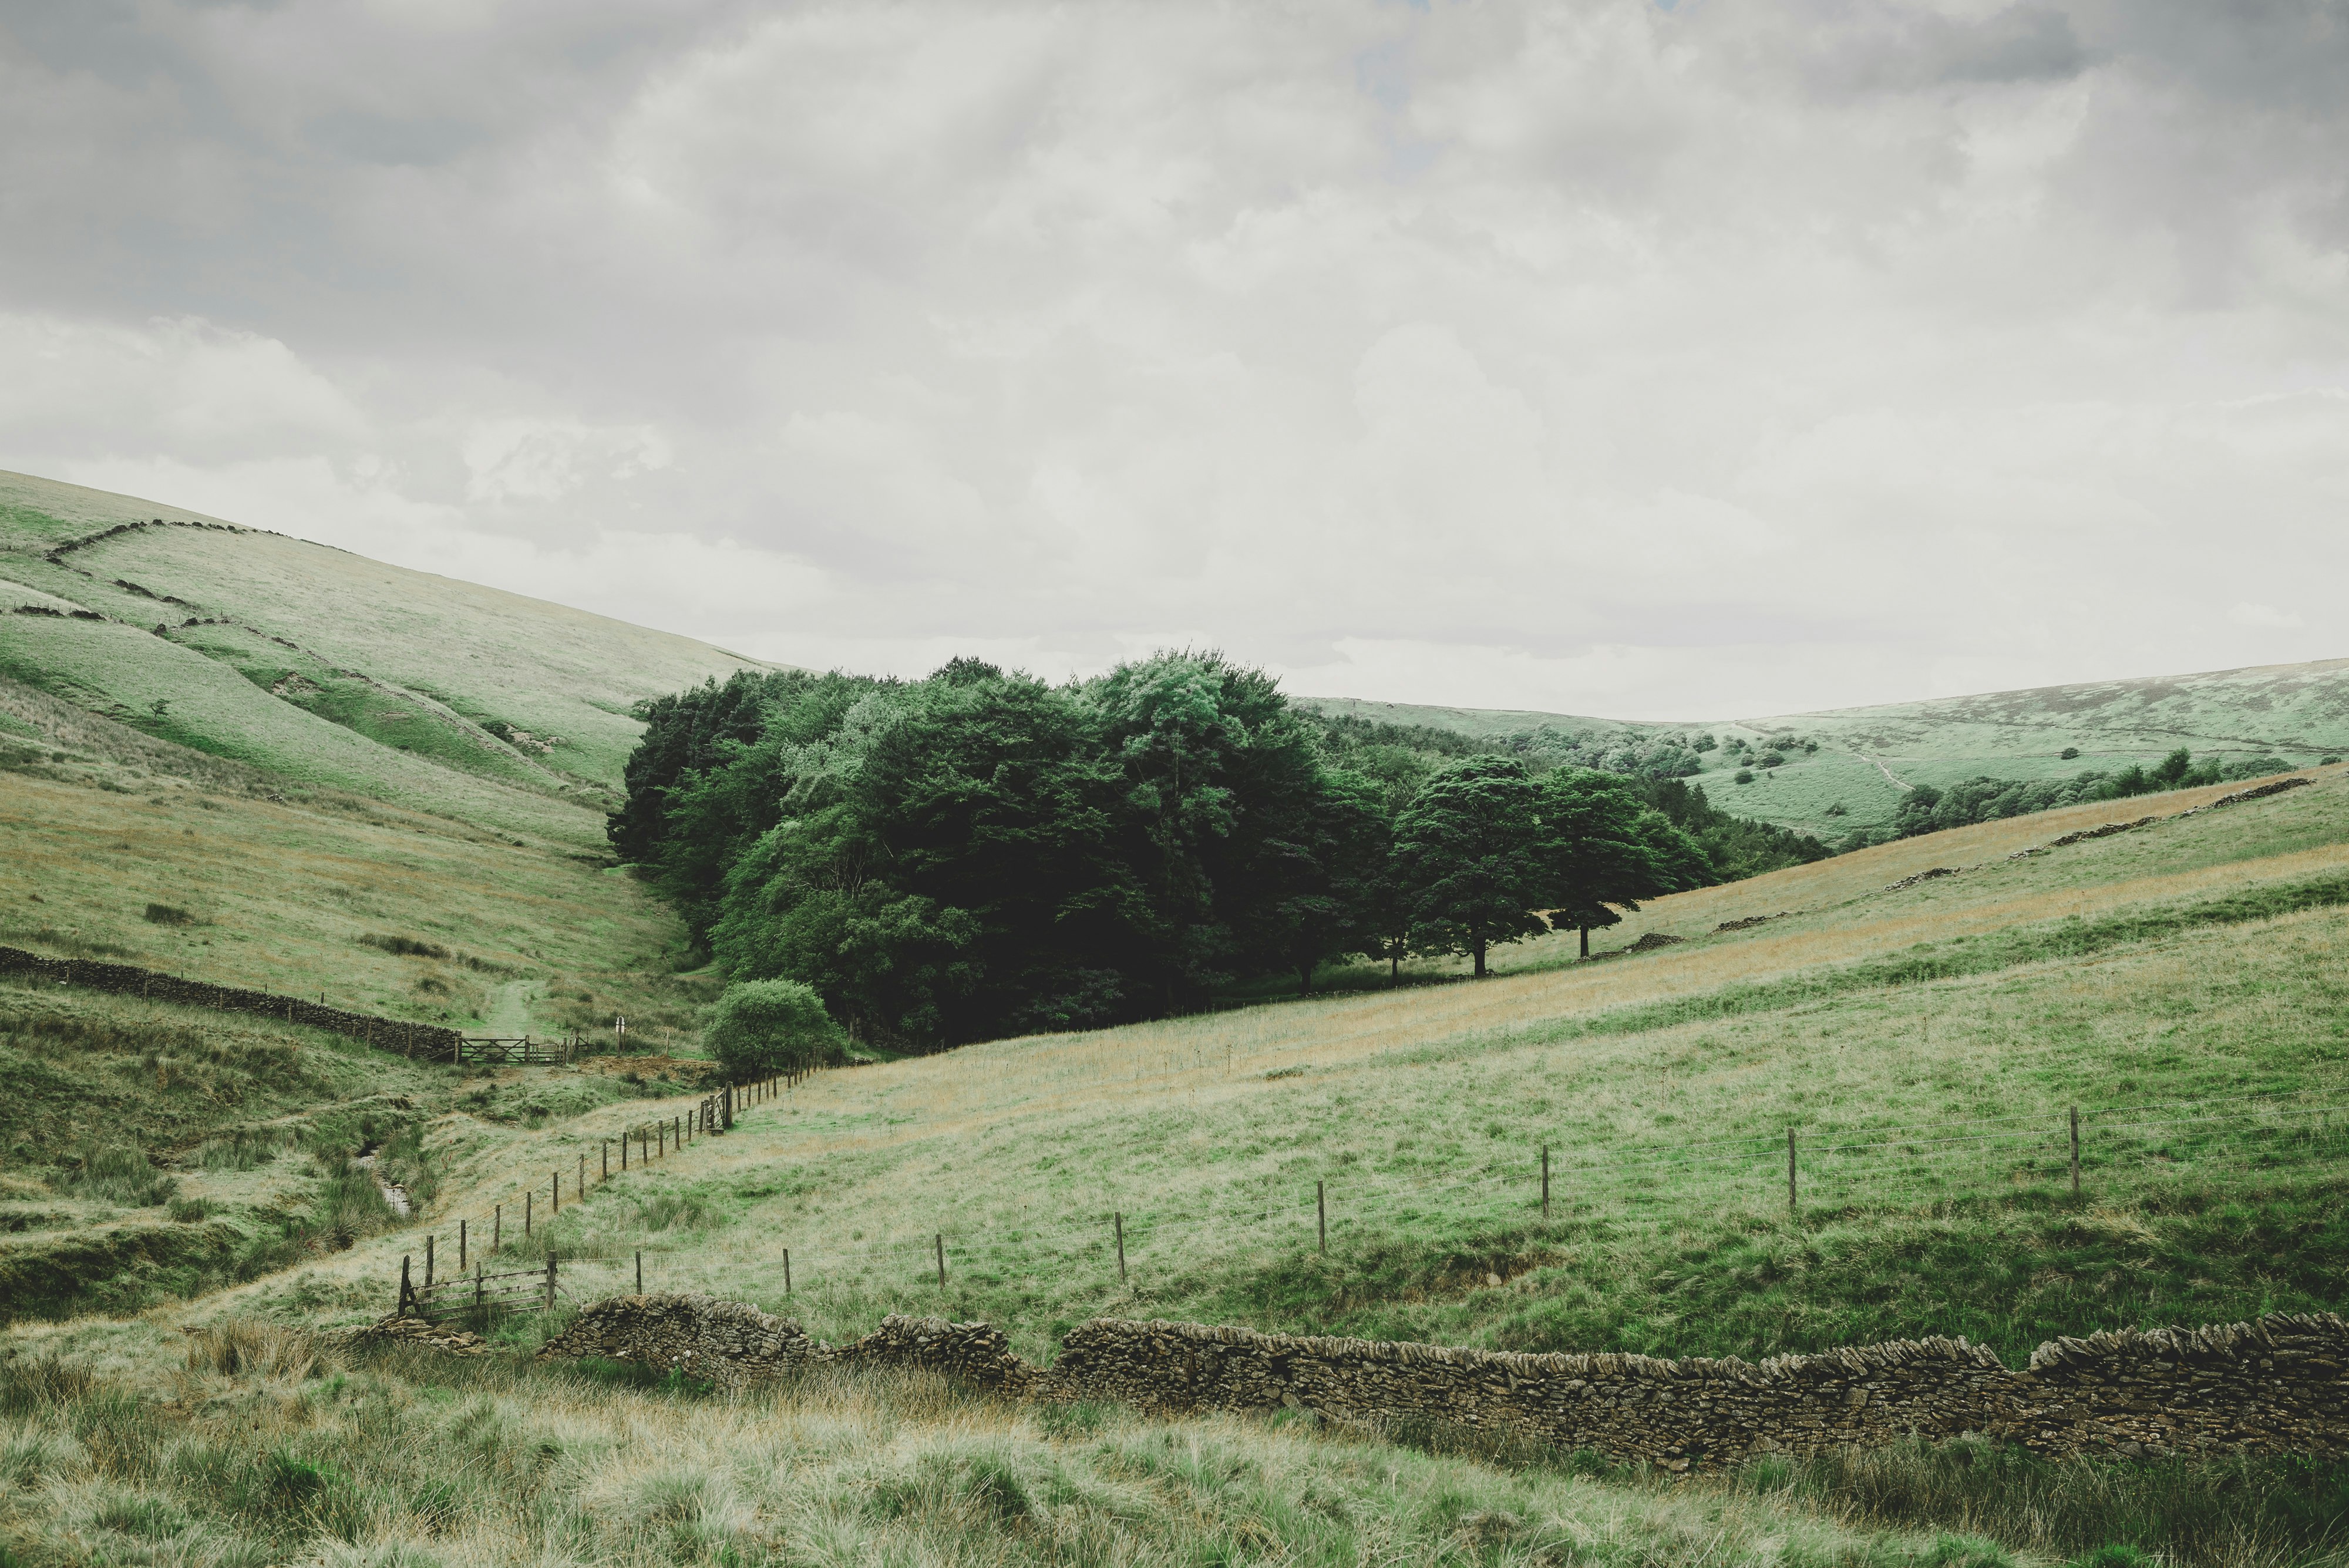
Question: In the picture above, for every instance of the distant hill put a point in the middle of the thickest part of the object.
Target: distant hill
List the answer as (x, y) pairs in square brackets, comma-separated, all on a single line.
[(1864, 758), (324, 666), (328, 667)]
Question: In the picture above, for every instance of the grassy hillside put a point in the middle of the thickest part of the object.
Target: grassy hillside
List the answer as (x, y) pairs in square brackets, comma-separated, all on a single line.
[(2179, 981), (102, 827), (387, 788), (1867, 757), (408, 1459), (317, 662), (1926, 1042)]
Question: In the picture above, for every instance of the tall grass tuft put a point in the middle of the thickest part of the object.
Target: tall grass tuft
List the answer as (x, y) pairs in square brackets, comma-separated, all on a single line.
[(235, 1346), (122, 1174), (2215, 1512)]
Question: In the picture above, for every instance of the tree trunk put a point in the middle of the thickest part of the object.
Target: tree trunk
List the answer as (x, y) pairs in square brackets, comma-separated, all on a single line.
[(1304, 977), (1480, 959), (1394, 968), (1586, 941)]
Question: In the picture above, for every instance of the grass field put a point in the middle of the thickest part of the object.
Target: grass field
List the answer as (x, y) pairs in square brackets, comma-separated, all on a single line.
[(261, 1451), (2181, 967), (276, 892), (528, 691), (2297, 712), (386, 789)]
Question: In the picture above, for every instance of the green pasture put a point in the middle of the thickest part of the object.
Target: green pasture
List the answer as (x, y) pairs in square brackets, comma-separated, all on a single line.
[(2180, 985), (177, 694), (2296, 711), (560, 679)]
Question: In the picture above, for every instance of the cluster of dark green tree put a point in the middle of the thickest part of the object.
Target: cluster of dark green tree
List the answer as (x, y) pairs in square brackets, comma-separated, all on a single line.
[(1402, 757), (982, 853), (1926, 809)]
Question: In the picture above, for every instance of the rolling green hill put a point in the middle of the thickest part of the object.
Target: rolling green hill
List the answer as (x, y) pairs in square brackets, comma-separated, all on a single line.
[(1866, 758), (326, 667), (327, 775)]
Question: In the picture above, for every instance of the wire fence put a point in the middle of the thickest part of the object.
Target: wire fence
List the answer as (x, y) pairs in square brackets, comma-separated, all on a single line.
[(1797, 1175), (539, 1208)]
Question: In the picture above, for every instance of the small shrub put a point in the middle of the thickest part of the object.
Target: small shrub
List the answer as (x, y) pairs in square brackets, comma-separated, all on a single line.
[(2067, 753), (762, 1027), (405, 946), (672, 1211), (1745, 775), (237, 1345), (239, 1150), (168, 915), (150, 1518), (188, 1211), (119, 1173)]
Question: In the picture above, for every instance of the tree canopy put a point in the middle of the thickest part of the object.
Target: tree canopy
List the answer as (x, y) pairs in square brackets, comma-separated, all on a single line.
[(983, 853)]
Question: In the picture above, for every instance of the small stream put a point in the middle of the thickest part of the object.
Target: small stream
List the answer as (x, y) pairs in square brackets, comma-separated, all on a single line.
[(393, 1193)]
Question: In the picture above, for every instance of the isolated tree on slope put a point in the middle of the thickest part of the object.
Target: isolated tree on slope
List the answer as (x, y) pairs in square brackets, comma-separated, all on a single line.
[(1604, 846), (763, 1027), (1467, 850)]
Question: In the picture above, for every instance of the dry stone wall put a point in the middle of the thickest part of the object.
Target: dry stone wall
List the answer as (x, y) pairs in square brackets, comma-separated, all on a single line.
[(733, 1343), (2280, 1384), (430, 1040)]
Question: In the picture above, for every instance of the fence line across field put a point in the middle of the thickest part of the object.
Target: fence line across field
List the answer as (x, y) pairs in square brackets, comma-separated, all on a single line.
[(2073, 1145), (714, 1113)]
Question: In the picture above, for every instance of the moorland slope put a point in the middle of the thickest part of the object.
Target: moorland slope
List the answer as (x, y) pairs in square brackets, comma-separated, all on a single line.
[(325, 666), (1925, 1039), (1867, 758), (308, 783)]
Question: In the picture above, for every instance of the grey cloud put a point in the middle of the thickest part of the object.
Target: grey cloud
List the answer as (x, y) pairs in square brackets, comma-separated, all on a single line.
[(1510, 329), (1846, 48)]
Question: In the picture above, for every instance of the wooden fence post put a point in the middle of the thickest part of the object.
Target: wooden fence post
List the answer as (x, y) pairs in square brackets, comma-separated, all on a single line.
[(1119, 1220), (787, 1271), (607, 1159), (942, 1260), (427, 1263), (1545, 1181), (461, 1247), (556, 1207), (2075, 1151), (640, 1271), (550, 1282), (583, 1175), (498, 1229), (1790, 1173), (525, 1213), (623, 1151), (479, 1298), (1321, 1213), (405, 1295)]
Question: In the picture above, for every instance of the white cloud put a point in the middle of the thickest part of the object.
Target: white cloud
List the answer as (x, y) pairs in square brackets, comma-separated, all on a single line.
[(1610, 358)]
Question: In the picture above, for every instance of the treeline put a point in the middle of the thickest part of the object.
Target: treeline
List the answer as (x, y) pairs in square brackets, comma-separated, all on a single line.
[(981, 853), (1926, 809), (1402, 756)]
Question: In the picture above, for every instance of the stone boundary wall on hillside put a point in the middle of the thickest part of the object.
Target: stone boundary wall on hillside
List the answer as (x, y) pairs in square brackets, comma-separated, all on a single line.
[(430, 1040), (2280, 1384)]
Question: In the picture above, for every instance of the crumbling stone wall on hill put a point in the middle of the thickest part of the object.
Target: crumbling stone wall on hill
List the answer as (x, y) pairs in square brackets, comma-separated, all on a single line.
[(2279, 1385), (733, 1343), (430, 1040)]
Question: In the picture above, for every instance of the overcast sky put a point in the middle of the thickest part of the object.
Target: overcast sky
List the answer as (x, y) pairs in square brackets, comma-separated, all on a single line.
[(1626, 358)]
